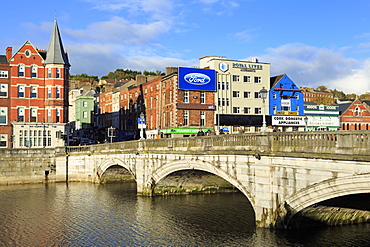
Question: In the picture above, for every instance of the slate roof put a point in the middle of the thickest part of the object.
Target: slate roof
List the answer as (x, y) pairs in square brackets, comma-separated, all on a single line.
[(275, 79), (343, 107), (3, 59), (56, 54)]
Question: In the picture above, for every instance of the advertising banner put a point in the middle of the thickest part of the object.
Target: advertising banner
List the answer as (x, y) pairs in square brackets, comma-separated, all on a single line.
[(288, 121), (197, 79)]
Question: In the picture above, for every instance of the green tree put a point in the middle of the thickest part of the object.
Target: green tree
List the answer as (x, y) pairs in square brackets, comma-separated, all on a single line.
[(351, 96), (338, 94), (365, 96)]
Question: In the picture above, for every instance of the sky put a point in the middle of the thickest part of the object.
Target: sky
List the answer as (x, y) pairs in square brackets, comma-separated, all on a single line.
[(316, 42)]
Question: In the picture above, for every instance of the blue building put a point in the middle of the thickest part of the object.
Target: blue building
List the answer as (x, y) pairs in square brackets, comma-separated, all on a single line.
[(286, 105)]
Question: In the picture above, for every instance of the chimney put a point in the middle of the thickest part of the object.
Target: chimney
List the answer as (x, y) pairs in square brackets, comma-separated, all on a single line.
[(9, 52), (170, 70), (140, 79)]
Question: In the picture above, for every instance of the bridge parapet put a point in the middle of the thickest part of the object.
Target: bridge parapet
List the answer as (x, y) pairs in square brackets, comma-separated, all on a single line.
[(303, 144)]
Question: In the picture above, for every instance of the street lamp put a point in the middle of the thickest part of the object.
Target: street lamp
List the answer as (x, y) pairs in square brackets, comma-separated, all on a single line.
[(263, 95), (306, 122)]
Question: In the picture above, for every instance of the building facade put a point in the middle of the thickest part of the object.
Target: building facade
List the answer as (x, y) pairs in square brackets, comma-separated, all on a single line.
[(39, 94), (286, 104), (354, 116), (322, 117), (239, 105), (5, 126), (84, 111)]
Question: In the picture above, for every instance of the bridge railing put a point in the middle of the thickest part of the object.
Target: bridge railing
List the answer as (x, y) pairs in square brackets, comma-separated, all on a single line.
[(326, 142)]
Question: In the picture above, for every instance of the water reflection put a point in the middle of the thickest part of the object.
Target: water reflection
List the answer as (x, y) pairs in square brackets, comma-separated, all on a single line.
[(112, 215)]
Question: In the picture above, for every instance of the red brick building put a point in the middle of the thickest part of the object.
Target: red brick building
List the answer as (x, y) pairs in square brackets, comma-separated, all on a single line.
[(355, 116), (39, 93), (5, 126)]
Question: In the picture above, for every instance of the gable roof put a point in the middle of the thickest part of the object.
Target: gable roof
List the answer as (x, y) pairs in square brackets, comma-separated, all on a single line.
[(56, 54), (275, 79)]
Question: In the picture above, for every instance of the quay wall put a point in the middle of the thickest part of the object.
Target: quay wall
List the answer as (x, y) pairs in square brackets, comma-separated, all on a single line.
[(19, 166)]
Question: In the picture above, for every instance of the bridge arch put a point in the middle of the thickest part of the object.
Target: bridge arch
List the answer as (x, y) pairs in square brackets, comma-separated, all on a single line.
[(171, 167), (101, 168), (326, 190)]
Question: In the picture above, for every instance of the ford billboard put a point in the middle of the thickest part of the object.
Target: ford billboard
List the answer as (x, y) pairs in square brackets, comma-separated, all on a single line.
[(197, 79)]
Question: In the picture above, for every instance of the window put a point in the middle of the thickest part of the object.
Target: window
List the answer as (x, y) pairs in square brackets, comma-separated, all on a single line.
[(236, 110), (57, 73), (274, 108), (257, 79), (3, 115), (84, 114), (20, 115), (286, 108), (3, 140), (219, 85), (247, 110), (236, 94), (202, 118), (257, 95), (3, 74), (297, 96), (247, 79), (186, 96), (186, 118), (20, 91), (3, 90), (33, 71), (297, 108), (33, 92), (202, 97), (20, 70), (57, 115), (57, 93), (84, 104), (33, 116), (236, 78), (49, 72), (49, 115), (247, 95), (274, 95), (257, 110), (49, 93)]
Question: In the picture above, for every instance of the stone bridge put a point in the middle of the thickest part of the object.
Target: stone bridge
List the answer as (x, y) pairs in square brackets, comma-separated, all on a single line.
[(279, 173)]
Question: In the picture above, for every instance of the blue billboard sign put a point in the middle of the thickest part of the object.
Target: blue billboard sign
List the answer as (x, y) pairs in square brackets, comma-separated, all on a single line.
[(197, 79)]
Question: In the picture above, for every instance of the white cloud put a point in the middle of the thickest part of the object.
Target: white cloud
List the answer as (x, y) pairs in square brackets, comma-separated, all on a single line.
[(119, 30), (312, 66)]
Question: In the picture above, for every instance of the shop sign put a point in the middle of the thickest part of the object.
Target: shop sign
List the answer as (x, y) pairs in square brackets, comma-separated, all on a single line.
[(288, 120)]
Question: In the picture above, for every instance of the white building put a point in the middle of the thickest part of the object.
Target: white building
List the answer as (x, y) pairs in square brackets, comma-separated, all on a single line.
[(239, 107)]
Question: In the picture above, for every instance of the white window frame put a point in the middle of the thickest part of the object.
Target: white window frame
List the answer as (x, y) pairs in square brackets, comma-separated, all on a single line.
[(186, 118), (258, 79), (247, 79), (3, 90), (4, 114), (186, 96), (4, 74), (236, 78), (236, 94)]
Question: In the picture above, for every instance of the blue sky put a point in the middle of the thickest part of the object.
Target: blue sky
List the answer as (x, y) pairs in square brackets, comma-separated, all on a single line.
[(317, 42)]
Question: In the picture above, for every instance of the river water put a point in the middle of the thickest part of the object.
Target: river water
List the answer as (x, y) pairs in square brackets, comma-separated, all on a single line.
[(83, 214)]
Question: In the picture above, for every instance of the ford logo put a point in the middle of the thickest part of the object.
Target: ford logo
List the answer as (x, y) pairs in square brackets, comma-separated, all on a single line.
[(197, 78)]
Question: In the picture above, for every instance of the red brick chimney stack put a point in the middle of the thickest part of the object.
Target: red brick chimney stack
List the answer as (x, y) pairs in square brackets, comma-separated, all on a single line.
[(9, 52)]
